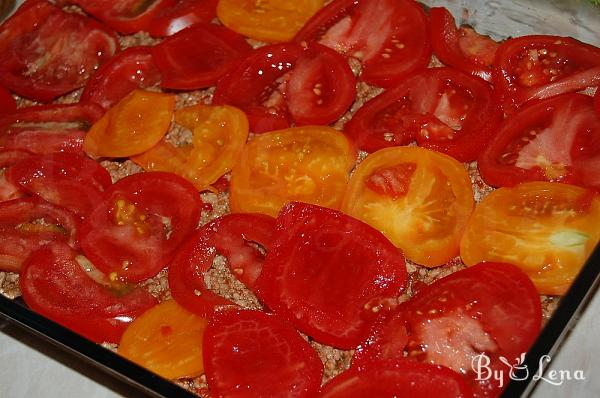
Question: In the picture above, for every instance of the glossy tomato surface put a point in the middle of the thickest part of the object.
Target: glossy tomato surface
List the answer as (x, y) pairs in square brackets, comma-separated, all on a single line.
[(134, 231), (219, 134), (457, 318), (538, 67), (48, 128), (420, 199), (441, 108), (26, 224), (547, 229), (308, 164), (72, 181), (328, 274), (389, 37), (557, 139), (55, 285), (403, 378), (9, 157), (47, 52), (253, 354), (123, 73), (183, 14)]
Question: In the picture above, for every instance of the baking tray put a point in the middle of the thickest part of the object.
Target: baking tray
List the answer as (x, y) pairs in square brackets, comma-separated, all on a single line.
[(498, 18)]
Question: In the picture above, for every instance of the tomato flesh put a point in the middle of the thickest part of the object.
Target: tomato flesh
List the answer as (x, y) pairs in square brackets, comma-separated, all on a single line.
[(7, 101), (9, 190), (348, 269), (183, 14)]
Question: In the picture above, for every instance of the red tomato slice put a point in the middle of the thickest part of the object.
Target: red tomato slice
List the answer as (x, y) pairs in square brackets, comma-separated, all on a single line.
[(183, 14), (125, 16), (199, 56), (327, 272), (133, 233), (26, 224), (397, 379), (253, 354), (46, 52), (284, 83), (233, 236), (7, 101), (389, 37), (456, 318), (461, 48), (123, 73), (597, 100), (557, 139), (48, 128), (55, 285), (442, 108), (72, 181), (538, 67), (8, 190)]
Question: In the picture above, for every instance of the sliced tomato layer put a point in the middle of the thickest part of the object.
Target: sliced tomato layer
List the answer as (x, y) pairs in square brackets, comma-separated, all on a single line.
[(134, 231), (55, 285), (26, 224), (402, 378), (557, 139), (7, 101), (48, 128), (284, 83), (547, 229), (183, 14), (123, 73), (253, 354), (460, 317), (9, 190), (389, 37), (539, 67), (199, 56), (420, 199), (441, 108), (328, 274), (47, 52), (461, 47)]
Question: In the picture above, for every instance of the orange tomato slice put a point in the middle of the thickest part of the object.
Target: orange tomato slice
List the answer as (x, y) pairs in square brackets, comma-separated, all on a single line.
[(547, 229), (267, 20), (307, 164), (218, 135), (420, 199), (132, 126), (166, 339)]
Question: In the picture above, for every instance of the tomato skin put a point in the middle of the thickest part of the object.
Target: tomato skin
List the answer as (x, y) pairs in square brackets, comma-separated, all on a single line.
[(597, 100), (48, 128), (308, 164), (402, 24), (353, 267), (72, 181), (253, 354), (576, 65), (428, 209), (564, 148), (402, 378), (29, 38), (198, 56), (20, 236), (407, 112), (183, 14), (7, 102), (124, 72), (230, 236), (125, 236), (546, 229), (8, 190), (445, 40), (55, 285), (456, 318)]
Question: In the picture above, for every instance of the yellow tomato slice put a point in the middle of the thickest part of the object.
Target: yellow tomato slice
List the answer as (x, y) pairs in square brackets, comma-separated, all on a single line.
[(218, 135), (420, 199), (547, 229), (308, 164), (267, 20), (134, 125), (166, 339)]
